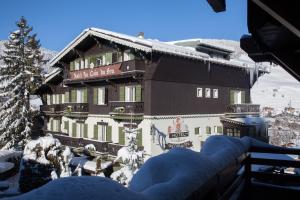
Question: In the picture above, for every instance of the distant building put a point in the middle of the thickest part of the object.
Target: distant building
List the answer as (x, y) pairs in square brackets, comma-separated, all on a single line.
[(176, 96)]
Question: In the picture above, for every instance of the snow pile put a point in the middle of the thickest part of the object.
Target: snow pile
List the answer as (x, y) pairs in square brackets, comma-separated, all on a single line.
[(44, 159), (173, 175), (130, 156)]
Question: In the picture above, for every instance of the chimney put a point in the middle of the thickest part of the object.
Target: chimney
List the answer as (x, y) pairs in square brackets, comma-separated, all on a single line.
[(141, 35)]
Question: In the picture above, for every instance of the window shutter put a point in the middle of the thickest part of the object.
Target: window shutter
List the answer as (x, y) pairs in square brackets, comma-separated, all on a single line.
[(73, 129), (95, 132), (243, 97), (138, 93), (122, 93), (59, 125), (197, 131), (67, 94), (95, 93), (139, 138), (73, 96), (60, 98), (108, 58), (231, 97), (72, 66), (208, 130), (121, 136), (66, 126), (219, 129), (85, 95), (51, 124), (85, 132), (108, 133)]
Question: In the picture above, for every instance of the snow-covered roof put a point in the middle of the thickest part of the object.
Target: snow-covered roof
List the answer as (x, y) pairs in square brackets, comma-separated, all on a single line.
[(150, 45), (209, 43), (146, 45), (52, 74)]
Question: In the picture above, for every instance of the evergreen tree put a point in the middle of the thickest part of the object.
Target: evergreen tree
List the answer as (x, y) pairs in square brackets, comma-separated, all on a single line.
[(131, 156), (19, 77)]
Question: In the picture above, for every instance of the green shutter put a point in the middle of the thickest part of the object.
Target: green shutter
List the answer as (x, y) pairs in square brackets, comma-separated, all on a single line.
[(108, 59), (208, 130), (73, 129), (85, 131), (73, 96), (231, 97), (60, 98), (122, 93), (66, 125), (85, 95), (51, 124), (108, 133), (243, 97), (219, 129), (139, 138), (138, 93), (59, 125), (67, 94), (121, 136), (95, 132), (72, 66), (197, 131), (95, 98)]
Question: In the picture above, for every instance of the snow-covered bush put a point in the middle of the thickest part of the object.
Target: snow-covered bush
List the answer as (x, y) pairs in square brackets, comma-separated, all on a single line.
[(131, 157), (44, 159)]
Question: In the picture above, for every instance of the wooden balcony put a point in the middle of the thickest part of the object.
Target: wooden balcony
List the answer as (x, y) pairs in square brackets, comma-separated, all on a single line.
[(53, 110), (76, 109), (126, 110), (243, 109)]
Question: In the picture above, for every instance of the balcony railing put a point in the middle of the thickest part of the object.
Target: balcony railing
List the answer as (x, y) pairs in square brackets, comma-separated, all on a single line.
[(52, 109), (243, 108), (119, 107), (76, 109)]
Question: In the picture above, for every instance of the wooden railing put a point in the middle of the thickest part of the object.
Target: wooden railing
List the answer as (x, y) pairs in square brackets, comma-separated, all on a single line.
[(243, 108), (235, 181), (52, 108), (76, 109), (118, 107)]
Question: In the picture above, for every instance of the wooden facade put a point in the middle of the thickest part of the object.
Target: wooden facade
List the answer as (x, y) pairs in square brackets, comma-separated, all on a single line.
[(105, 82)]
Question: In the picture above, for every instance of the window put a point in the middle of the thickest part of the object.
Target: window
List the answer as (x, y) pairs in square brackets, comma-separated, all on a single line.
[(215, 93), (237, 96), (116, 57), (49, 102), (199, 92), (128, 55), (66, 126), (197, 130), (237, 133), (99, 96), (79, 96), (208, 130), (56, 125), (229, 132), (100, 132), (77, 64), (81, 63), (100, 60), (129, 93), (207, 92)]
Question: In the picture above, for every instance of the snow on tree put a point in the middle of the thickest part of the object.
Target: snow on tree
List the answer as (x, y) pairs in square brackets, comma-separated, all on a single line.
[(19, 77), (130, 156), (44, 159)]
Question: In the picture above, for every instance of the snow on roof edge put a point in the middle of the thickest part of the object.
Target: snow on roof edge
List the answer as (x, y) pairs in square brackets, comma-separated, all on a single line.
[(51, 75)]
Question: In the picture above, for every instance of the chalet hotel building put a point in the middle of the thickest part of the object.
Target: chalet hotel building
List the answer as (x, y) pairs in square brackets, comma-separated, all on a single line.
[(173, 94)]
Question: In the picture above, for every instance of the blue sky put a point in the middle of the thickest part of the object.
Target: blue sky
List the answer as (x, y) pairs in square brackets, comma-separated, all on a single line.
[(57, 22)]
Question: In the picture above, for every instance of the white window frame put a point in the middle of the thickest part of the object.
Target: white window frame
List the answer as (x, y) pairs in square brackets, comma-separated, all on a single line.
[(207, 93), (237, 97), (79, 130), (49, 99), (77, 65), (199, 92), (102, 132), (130, 93), (215, 93), (101, 96), (80, 96)]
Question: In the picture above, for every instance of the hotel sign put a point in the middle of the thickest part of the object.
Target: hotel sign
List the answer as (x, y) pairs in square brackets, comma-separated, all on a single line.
[(98, 72)]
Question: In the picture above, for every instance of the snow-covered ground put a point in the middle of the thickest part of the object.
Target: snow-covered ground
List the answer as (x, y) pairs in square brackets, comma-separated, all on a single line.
[(277, 89)]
